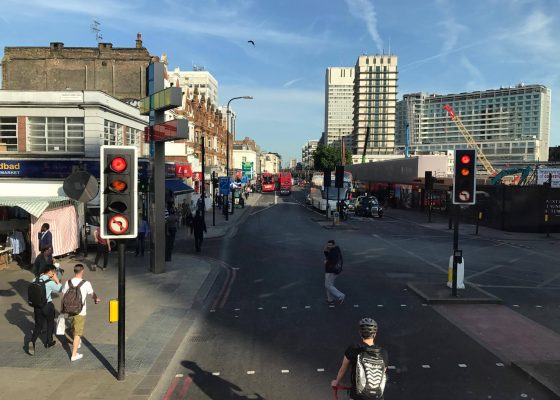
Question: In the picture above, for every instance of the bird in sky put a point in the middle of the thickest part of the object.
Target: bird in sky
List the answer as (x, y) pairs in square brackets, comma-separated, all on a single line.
[(250, 41)]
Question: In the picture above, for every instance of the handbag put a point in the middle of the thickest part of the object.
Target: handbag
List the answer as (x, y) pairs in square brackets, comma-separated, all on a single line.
[(338, 268), (60, 325)]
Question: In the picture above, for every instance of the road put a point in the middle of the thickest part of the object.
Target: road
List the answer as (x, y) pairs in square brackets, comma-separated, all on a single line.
[(271, 335)]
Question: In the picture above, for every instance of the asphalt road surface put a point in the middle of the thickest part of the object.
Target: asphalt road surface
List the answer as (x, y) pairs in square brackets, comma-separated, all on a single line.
[(270, 334)]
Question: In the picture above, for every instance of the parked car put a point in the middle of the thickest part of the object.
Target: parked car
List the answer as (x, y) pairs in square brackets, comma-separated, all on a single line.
[(368, 206), (351, 204)]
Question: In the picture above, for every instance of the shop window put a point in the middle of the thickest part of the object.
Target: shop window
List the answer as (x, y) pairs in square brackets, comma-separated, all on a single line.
[(8, 134), (60, 134)]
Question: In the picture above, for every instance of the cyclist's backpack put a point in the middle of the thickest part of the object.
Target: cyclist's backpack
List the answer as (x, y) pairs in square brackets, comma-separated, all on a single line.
[(37, 293), (370, 374), (72, 302)]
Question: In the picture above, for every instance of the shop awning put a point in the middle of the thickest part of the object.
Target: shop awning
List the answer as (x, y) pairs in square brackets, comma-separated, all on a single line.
[(177, 186), (34, 205)]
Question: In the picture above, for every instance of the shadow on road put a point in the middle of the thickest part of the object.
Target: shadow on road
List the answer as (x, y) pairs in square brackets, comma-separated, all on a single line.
[(215, 387)]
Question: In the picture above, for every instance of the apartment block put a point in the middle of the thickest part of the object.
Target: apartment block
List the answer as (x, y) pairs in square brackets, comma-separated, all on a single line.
[(375, 100), (510, 124), (339, 106)]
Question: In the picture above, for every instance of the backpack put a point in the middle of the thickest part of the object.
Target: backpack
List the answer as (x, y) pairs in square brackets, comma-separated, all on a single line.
[(37, 293), (72, 302), (370, 374)]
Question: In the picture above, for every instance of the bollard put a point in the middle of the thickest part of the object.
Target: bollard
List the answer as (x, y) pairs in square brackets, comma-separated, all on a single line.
[(460, 273)]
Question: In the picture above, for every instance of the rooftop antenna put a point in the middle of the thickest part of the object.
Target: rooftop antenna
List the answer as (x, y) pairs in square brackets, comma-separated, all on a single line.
[(97, 30)]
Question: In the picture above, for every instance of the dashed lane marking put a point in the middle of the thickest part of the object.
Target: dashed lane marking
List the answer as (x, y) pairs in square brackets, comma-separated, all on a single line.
[(285, 371), (250, 372), (217, 373), (499, 364), (425, 366), (320, 369), (462, 365)]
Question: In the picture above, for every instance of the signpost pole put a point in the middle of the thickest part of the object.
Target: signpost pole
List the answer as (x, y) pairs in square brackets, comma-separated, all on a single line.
[(455, 249)]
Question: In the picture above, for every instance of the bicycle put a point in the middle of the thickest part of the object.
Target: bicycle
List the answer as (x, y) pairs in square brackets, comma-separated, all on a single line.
[(338, 388)]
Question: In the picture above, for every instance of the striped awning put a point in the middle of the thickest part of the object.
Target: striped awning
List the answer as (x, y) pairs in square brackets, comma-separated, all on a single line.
[(35, 205)]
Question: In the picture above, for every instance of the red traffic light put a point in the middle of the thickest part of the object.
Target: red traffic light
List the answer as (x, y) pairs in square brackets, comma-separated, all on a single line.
[(118, 164), (465, 159), (465, 171)]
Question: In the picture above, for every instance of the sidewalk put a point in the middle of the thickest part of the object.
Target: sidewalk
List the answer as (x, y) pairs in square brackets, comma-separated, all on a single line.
[(159, 312)]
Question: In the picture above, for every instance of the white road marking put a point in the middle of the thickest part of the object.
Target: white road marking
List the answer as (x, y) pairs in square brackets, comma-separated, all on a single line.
[(179, 376), (307, 306), (391, 367), (425, 366), (380, 305), (237, 309), (356, 305), (320, 369), (538, 306), (499, 364), (516, 305), (212, 310), (284, 308), (331, 306), (216, 373), (250, 372), (462, 365), (403, 305), (285, 371), (259, 308)]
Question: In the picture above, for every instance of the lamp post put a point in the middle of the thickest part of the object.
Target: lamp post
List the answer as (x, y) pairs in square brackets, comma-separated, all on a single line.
[(227, 150)]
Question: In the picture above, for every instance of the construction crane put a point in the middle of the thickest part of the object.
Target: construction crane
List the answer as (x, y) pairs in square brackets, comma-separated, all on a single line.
[(525, 172), (470, 141)]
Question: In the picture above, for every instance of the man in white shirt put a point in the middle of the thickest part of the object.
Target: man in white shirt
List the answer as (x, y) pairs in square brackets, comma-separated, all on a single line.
[(78, 321)]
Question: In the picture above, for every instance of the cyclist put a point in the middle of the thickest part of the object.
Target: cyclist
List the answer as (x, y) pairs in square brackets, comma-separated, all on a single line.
[(362, 359)]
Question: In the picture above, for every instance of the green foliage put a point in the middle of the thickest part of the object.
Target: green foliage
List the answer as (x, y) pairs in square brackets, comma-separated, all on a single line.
[(328, 157)]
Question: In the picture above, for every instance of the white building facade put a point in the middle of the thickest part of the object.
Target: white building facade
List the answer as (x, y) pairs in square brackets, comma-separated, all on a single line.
[(375, 100), (198, 79), (271, 162), (307, 153), (339, 106), (511, 125)]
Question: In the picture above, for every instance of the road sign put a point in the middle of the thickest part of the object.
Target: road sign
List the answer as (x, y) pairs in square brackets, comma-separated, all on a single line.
[(224, 185), (244, 179), (170, 130)]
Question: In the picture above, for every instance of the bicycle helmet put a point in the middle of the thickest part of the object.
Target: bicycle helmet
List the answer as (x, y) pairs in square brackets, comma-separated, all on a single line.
[(368, 327)]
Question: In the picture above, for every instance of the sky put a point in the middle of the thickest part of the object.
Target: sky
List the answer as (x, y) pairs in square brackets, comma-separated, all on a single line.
[(442, 46)]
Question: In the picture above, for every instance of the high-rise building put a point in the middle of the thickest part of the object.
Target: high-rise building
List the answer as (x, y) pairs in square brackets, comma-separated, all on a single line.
[(199, 79), (339, 106), (375, 100), (511, 124)]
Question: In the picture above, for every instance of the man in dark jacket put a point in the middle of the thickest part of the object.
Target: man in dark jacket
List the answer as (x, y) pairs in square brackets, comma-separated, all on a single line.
[(42, 260), (198, 227), (45, 237), (333, 267)]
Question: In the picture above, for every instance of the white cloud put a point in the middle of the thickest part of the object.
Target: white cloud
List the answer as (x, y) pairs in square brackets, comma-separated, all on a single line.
[(477, 78), (290, 83), (364, 10)]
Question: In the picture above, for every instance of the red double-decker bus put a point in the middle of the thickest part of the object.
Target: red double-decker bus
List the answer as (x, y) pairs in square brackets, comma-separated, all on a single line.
[(285, 182), (267, 182)]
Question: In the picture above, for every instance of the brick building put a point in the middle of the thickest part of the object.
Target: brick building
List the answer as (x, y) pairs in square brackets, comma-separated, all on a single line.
[(119, 72)]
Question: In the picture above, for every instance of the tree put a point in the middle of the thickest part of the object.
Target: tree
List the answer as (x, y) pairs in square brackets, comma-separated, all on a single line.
[(328, 157)]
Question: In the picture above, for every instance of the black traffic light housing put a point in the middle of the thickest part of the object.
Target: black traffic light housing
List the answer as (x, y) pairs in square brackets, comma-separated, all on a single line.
[(464, 177), (339, 177), (119, 192), (428, 180), (327, 178)]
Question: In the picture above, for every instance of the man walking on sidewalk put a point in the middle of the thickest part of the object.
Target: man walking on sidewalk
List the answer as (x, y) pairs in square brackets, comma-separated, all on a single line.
[(78, 320), (44, 313), (198, 227)]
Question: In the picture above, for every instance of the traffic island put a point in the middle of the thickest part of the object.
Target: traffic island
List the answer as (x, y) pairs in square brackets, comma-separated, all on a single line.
[(439, 293)]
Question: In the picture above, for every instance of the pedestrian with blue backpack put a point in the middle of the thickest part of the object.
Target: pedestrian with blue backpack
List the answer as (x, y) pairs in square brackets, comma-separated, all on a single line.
[(39, 296)]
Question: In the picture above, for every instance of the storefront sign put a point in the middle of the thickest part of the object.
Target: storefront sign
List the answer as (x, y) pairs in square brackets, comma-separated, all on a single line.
[(57, 168), (183, 170), (197, 176)]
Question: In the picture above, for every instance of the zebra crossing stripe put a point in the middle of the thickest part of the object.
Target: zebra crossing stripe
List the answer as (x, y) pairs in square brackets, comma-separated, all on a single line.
[(250, 372)]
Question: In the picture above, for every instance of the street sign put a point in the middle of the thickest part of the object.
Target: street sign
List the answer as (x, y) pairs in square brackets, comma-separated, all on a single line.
[(170, 130), (165, 99), (244, 179), (224, 185)]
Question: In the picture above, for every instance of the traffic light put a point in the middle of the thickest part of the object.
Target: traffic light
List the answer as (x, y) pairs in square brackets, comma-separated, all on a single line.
[(464, 177), (428, 180), (327, 178), (119, 192), (339, 176)]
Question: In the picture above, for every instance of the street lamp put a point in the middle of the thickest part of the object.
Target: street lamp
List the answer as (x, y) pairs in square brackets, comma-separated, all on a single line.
[(227, 147)]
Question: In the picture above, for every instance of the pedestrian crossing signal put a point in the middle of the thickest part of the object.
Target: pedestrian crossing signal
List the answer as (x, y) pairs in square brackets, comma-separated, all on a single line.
[(119, 192), (464, 177)]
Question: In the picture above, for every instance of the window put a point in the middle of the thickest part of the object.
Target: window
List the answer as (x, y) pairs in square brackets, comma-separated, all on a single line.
[(8, 134), (113, 134), (47, 134)]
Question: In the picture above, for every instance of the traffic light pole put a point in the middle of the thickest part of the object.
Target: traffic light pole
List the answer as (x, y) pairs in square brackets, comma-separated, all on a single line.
[(122, 319), (455, 248)]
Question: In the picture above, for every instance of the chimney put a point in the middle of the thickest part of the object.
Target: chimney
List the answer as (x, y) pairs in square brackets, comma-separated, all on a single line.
[(105, 46), (138, 40)]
